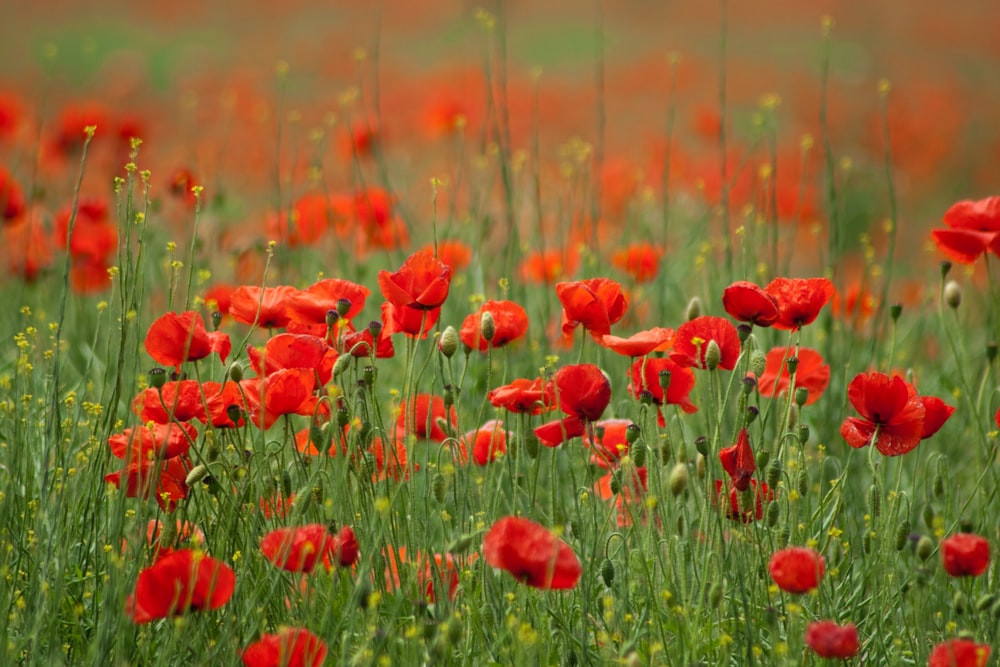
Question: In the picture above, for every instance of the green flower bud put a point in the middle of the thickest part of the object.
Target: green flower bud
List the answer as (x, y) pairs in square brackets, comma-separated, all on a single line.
[(875, 501), (773, 514), (695, 308), (701, 444), (197, 473), (713, 355), (632, 433), (216, 320), (448, 343), (439, 484), (803, 481), (487, 327), (678, 479), (960, 602), (801, 396), (715, 592), (343, 306), (758, 362), (607, 571), (925, 546), (927, 514), (773, 474), (953, 294), (638, 454), (339, 366), (763, 457), (895, 310)]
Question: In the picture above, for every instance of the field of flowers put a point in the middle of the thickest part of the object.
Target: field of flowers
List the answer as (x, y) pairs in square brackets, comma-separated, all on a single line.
[(563, 333)]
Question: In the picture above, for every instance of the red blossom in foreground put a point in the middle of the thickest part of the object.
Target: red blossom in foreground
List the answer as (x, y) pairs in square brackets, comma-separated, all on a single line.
[(583, 392), (799, 300), (747, 302), (973, 227), (959, 653), (738, 461), (649, 375), (510, 322), (175, 338), (422, 282), (183, 581), (532, 553), (891, 412), (965, 555), (288, 350), (163, 441), (283, 392), (829, 640), (595, 304), (811, 373), (796, 569), (691, 343), (290, 647)]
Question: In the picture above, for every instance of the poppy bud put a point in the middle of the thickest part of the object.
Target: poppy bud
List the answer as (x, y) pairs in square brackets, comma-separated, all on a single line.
[(773, 473), (758, 362), (927, 514), (453, 632), (866, 542), (216, 320), (953, 294), (801, 396), (985, 602), (632, 433), (700, 466), (694, 309), (752, 413), (925, 546), (945, 268), (749, 384), (763, 457), (793, 365), (616, 484), (663, 377), (343, 416), (339, 366), (646, 397), (607, 571), (363, 593), (449, 397), (332, 317), (368, 374), (715, 595), (211, 447), (960, 602), (875, 501), (463, 543), (895, 310), (286, 484), (680, 529), (236, 373), (375, 329), (678, 479), (701, 444), (531, 445), (343, 306), (448, 343), (487, 327), (234, 413), (317, 435), (803, 482), (198, 473), (713, 355), (784, 535), (773, 514), (803, 433), (440, 486), (157, 377), (964, 526), (639, 453), (793, 416), (744, 330)]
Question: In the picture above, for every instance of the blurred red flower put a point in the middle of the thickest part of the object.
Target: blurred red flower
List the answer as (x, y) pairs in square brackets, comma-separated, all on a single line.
[(959, 653), (289, 350), (422, 282), (488, 442), (164, 480), (182, 581), (799, 300), (289, 647), (583, 392), (532, 553), (760, 494), (811, 373), (300, 548), (610, 442), (639, 260), (263, 307), (738, 461), (596, 304), (640, 343), (965, 555), (510, 322), (549, 266), (11, 197), (692, 339), (796, 569), (747, 302), (426, 413), (973, 227), (829, 640), (181, 400), (162, 441), (454, 253)]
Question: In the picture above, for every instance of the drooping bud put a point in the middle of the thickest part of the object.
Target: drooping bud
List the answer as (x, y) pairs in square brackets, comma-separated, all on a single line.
[(895, 310), (439, 484), (448, 343), (945, 268), (763, 457), (198, 473), (773, 475), (803, 433), (927, 515), (701, 444), (953, 294), (607, 571), (773, 514), (638, 454), (875, 501), (339, 366)]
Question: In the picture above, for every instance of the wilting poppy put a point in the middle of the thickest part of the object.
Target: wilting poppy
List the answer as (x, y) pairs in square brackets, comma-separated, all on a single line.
[(796, 569), (174, 338), (421, 283), (693, 338), (426, 414), (827, 639), (183, 581), (596, 304), (28, 247), (640, 343), (298, 549), (738, 461), (583, 392), (639, 260), (510, 322), (289, 647), (810, 373), (747, 302), (649, 376), (889, 406), (758, 494), (965, 555), (289, 350), (799, 300), (523, 395), (264, 307), (163, 441), (311, 305), (959, 653), (532, 553), (973, 227)]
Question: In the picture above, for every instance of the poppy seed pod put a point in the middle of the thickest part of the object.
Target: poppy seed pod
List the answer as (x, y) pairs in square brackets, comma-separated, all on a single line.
[(157, 377)]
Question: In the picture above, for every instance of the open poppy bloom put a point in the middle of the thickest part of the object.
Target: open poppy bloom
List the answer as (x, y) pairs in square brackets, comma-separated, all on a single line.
[(641, 343), (583, 392), (310, 306), (174, 338), (413, 322), (799, 300), (532, 553), (959, 653), (298, 549), (424, 414), (649, 376), (488, 442), (165, 480), (891, 412), (796, 569), (973, 227), (289, 350), (523, 395), (289, 647), (182, 581), (746, 506), (181, 400), (738, 461), (693, 339), (965, 555), (163, 441), (639, 260), (285, 391), (827, 639), (747, 302), (596, 304), (422, 282), (510, 322), (264, 307), (810, 373)]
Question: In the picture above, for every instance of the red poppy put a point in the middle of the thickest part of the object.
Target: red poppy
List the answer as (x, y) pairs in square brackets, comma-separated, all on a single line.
[(583, 392), (286, 391), (391, 461), (361, 343), (759, 493), (596, 304), (222, 399), (738, 461), (829, 640), (455, 254), (639, 260), (89, 276), (28, 247), (973, 227), (890, 410), (181, 182), (174, 338), (290, 647), (155, 441), (965, 555), (523, 395), (311, 305), (641, 343), (810, 373), (936, 413), (305, 224), (646, 376), (410, 321), (421, 283), (488, 442), (289, 350), (960, 653), (610, 443), (549, 266), (346, 550), (747, 302), (276, 506), (264, 307), (70, 126), (426, 416), (11, 197), (298, 549), (433, 573), (181, 401), (183, 581), (165, 480), (94, 237), (691, 342), (218, 297), (510, 322), (799, 300), (796, 569), (532, 553)]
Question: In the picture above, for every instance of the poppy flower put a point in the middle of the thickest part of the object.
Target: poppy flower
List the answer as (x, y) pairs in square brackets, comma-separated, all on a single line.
[(965, 555), (218, 297), (760, 494), (263, 307), (422, 282), (583, 392), (180, 400), (691, 343), (647, 379), (289, 647), (610, 442), (549, 266), (163, 441), (523, 395), (959, 653), (183, 581), (427, 413), (283, 392), (180, 184), (174, 338), (298, 549), (936, 413), (182, 531), (890, 411), (391, 460), (640, 260), (225, 401), (94, 238), (455, 254), (596, 304), (641, 343), (361, 343), (510, 322), (346, 550), (973, 227), (796, 569), (830, 640), (434, 574), (411, 321), (532, 553), (311, 305), (11, 197), (488, 442), (738, 461), (165, 480), (747, 302), (810, 373), (29, 247), (799, 300), (289, 350), (306, 222)]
